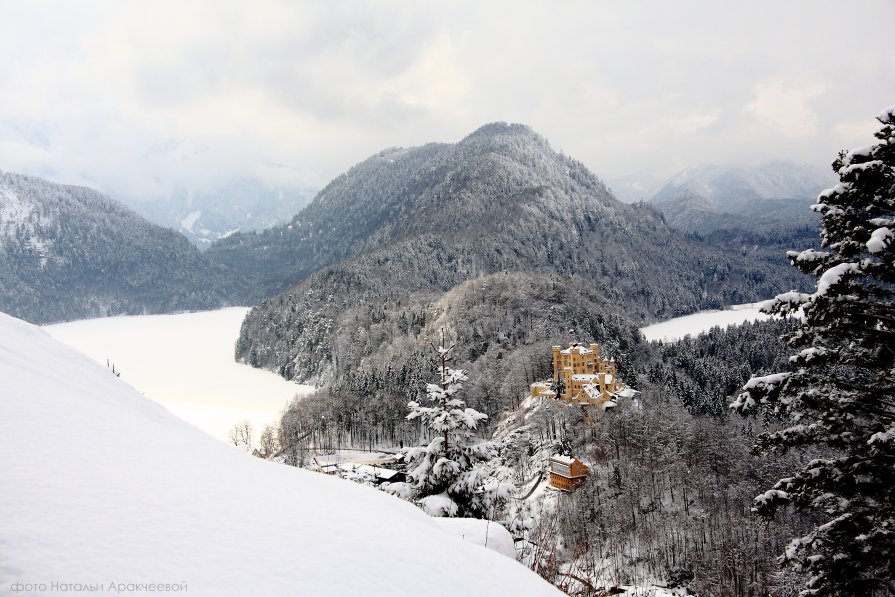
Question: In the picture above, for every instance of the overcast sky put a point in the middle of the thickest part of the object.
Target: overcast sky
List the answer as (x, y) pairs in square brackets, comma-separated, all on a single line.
[(135, 98)]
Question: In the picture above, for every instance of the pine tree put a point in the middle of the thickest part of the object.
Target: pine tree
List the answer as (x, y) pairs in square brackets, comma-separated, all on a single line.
[(448, 477), (839, 396)]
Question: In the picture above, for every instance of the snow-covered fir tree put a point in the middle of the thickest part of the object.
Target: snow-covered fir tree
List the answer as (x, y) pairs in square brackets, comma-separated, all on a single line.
[(840, 392), (449, 476)]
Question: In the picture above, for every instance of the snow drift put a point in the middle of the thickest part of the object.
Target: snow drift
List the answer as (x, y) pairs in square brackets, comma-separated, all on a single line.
[(102, 486)]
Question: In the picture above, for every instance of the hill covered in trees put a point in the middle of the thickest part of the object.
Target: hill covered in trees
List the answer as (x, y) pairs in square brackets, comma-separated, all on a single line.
[(68, 252), (502, 327)]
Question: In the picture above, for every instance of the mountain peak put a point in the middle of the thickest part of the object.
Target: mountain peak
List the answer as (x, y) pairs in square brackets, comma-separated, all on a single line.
[(495, 131)]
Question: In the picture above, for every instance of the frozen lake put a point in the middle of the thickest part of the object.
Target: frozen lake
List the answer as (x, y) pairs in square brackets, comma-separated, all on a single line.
[(185, 362), (675, 329)]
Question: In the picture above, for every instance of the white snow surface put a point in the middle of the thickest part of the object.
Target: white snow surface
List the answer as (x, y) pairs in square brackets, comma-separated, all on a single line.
[(675, 329), (832, 276), (481, 532), (877, 242), (186, 362), (563, 459), (101, 485)]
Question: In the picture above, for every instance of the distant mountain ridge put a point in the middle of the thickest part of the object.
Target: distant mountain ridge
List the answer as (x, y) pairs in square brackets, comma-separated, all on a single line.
[(714, 197), (206, 216), (69, 252), (726, 186), (502, 181)]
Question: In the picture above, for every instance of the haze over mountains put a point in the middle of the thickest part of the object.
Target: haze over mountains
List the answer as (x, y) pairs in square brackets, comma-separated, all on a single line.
[(637, 187), (206, 216), (713, 197), (501, 196)]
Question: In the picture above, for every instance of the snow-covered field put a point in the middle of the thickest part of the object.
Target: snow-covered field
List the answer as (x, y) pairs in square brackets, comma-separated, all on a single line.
[(105, 491), (185, 361), (675, 329)]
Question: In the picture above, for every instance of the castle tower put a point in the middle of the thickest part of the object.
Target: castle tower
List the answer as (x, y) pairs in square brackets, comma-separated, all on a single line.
[(613, 387), (556, 362)]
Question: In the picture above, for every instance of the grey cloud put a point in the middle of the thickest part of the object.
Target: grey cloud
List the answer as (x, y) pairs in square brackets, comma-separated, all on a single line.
[(141, 99)]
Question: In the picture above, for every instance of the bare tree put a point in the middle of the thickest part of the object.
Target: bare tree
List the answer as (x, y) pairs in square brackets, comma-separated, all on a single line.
[(269, 441), (241, 435)]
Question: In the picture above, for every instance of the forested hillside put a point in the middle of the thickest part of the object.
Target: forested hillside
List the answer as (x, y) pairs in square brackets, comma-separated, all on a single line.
[(502, 326), (704, 372), (68, 252), (667, 501), (406, 226)]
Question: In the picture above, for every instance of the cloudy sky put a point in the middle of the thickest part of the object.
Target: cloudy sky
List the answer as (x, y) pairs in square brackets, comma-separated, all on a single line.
[(135, 98)]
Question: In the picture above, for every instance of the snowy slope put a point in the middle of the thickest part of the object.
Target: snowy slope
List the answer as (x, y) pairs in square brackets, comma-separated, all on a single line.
[(101, 485)]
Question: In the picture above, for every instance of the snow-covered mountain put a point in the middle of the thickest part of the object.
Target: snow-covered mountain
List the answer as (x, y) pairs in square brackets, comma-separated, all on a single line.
[(393, 234), (500, 199), (204, 217), (104, 487), (704, 198), (729, 186), (69, 252)]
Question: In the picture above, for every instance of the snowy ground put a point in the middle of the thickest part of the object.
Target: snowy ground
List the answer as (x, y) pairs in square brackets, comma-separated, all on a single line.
[(675, 329), (354, 457), (481, 532), (105, 491), (185, 361)]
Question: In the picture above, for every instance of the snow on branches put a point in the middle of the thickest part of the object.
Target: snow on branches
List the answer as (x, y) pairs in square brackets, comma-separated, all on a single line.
[(449, 476), (840, 394)]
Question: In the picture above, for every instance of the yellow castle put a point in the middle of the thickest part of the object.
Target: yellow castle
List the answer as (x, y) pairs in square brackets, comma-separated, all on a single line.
[(580, 376)]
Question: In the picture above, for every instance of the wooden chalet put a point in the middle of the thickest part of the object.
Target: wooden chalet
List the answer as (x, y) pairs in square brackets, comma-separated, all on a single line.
[(566, 473)]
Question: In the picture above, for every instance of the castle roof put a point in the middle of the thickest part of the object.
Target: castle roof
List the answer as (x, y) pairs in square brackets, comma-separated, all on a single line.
[(576, 348), (584, 377), (627, 393), (592, 390)]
